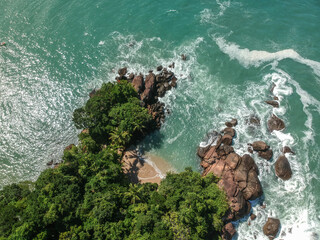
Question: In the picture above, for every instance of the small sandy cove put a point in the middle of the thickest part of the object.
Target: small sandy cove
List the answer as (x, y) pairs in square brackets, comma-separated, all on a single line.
[(149, 168)]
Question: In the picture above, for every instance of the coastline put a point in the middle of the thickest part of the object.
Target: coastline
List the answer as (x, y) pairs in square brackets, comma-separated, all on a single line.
[(148, 168)]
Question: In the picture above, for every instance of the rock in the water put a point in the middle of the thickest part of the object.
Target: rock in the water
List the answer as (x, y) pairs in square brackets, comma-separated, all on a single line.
[(131, 76), (228, 231), (266, 154), (227, 139), (138, 83), (183, 57), (286, 149), (271, 228), (253, 216), (202, 151), (259, 146), (272, 103), (230, 131), (159, 68), (283, 169), (275, 123), (173, 82), (253, 120), (234, 122), (122, 71)]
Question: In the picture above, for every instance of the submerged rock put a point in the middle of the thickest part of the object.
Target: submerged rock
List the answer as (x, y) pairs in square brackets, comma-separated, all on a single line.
[(283, 168), (272, 103), (275, 123), (271, 228), (253, 120)]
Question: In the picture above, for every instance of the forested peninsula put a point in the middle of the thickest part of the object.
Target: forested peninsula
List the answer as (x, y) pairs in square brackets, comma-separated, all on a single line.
[(88, 196)]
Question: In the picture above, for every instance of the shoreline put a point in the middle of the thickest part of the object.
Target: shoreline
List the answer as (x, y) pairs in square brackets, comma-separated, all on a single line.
[(145, 168)]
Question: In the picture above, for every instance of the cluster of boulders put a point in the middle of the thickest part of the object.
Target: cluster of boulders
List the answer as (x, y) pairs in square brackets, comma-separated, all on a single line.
[(238, 174), (150, 87), (262, 148)]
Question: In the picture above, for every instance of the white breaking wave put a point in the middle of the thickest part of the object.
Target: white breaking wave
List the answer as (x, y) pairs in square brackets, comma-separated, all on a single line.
[(255, 58)]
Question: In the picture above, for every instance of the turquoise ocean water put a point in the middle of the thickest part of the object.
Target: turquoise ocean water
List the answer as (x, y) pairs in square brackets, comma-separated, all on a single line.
[(58, 51)]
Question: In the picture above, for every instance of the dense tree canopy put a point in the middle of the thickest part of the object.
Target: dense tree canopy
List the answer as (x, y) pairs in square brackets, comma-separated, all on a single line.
[(89, 197)]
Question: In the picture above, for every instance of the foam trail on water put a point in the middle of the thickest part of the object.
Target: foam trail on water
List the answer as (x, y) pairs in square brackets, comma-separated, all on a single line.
[(307, 101), (255, 58), (207, 15)]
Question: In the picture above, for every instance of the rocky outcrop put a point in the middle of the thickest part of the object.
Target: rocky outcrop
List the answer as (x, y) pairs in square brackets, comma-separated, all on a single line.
[(138, 84), (150, 88), (283, 168), (238, 174), (228, 231), (275, 123), (271, 228), (148, 94)]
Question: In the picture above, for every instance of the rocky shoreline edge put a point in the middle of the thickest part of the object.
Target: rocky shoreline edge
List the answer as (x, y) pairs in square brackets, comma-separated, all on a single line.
[(238, 174)]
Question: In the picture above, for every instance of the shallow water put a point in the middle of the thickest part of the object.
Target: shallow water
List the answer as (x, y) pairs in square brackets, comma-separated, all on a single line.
[(58, 51)]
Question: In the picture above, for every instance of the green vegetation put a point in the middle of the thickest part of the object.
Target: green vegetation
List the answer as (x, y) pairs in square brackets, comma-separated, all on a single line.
[(88, 196)]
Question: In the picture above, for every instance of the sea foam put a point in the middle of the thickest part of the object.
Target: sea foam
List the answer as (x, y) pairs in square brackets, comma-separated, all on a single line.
[(255, 58)]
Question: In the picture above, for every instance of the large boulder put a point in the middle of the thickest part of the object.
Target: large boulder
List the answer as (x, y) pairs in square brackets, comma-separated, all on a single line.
[(138, 83), (259, 146), (271, 228), (227, 139), (148, 94), (275, 123), (283, 169), (228, 231), (233, 160), (202, 151), (122, 71), (230, 131), (266, 154), (254, 188)]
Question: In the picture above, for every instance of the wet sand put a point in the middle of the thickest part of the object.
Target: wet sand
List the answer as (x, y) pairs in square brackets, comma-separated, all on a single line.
[(148, 168)]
